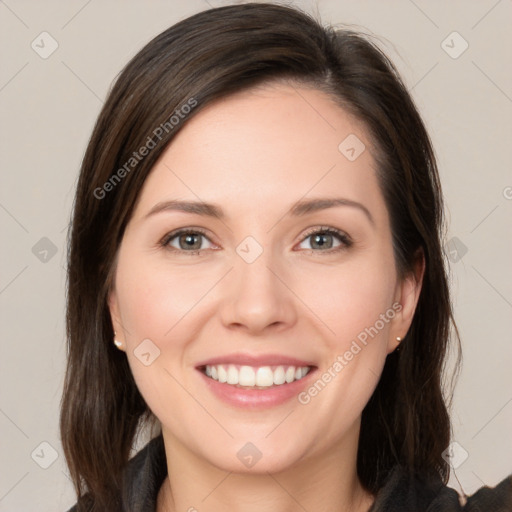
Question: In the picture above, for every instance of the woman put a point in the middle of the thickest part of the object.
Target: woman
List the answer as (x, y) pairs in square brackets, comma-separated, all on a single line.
[(256, 273)]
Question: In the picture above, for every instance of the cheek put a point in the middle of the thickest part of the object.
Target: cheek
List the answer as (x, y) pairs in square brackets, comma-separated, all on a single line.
[(355, 300), (154, 299), (349, 298), (158, 303), (154, 303), (350, 301)]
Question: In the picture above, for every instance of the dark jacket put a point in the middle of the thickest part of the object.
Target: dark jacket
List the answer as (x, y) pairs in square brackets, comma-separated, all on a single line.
[(146, 472)]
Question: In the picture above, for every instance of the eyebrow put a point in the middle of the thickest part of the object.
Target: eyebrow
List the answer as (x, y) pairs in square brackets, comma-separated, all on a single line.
[(299, 209)]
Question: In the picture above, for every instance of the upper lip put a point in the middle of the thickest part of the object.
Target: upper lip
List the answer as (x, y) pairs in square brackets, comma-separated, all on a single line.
[(255, 360)]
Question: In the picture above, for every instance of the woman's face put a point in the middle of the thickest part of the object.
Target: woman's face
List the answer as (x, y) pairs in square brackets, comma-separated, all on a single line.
[(261, 287)]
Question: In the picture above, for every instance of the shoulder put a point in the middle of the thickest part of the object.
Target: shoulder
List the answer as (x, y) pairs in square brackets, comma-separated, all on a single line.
[(403, 492), (85, 504), (142, 478), (493, 499)]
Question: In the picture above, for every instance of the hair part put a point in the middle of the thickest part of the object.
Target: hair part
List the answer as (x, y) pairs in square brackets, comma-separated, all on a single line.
[(210, 56)]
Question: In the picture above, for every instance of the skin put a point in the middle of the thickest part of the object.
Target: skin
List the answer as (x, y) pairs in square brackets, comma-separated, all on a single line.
[(273, 145)]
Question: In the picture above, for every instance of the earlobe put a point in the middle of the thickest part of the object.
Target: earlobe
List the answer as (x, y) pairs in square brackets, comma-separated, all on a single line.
[(114, 315), (117, 343), (408, 294)]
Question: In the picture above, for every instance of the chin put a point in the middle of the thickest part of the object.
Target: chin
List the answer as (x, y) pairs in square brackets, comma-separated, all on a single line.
[(255, 457)]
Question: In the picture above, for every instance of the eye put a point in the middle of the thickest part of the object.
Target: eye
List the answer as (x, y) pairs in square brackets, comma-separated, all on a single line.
[(190, 240), (185, 240), (324, 239)]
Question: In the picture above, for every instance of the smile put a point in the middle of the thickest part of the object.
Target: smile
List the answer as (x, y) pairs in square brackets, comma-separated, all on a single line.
[(250, 377)]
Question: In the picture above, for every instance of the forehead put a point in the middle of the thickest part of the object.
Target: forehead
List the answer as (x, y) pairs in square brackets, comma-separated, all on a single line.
[(269, 146)]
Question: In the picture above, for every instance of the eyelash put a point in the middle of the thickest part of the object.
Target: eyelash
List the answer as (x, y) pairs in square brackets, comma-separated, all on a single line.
[(345, 240)]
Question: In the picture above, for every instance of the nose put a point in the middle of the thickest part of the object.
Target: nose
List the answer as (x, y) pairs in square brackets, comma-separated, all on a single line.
[(259, 297)]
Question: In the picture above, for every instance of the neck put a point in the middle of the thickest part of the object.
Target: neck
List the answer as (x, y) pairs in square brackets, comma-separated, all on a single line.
[(323, 482)]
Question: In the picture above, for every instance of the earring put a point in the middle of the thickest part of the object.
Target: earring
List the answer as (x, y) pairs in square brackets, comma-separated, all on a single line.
[(117, 343), (397, 349)]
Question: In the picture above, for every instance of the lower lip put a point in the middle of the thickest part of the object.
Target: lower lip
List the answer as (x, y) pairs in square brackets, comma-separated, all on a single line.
[(257, 398)]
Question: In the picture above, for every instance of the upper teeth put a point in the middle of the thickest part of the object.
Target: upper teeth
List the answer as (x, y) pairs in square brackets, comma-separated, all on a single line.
[(263, 376)]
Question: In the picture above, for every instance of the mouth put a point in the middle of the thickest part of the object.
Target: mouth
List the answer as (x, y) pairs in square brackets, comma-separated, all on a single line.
[(256, 382), (255, 377)]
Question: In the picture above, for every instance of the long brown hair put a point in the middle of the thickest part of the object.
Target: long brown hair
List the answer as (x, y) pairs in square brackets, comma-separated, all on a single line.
[(201, 59)]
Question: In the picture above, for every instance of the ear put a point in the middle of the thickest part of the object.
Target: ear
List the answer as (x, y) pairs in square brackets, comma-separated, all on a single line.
[(113, 307), (407, 294)]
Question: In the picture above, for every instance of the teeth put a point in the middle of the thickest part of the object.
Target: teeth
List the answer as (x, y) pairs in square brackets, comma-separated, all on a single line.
[(222, 373), (264, 377), (261, 377), (246, 376), (279, 376), (232, 375)]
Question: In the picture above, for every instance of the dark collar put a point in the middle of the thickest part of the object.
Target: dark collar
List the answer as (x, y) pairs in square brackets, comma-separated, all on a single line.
[(144, 476)]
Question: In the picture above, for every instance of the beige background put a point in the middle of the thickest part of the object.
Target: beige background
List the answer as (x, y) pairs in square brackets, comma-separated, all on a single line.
[(48, 107)]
